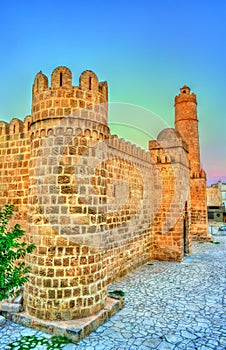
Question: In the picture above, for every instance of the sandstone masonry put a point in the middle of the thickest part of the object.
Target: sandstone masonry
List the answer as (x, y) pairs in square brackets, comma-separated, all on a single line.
[(95, 205)]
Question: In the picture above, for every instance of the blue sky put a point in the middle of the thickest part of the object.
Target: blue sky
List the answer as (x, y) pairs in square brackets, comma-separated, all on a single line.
[(145, 49)]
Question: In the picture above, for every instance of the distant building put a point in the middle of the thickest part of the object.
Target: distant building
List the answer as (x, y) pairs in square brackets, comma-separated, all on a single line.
[(223, 193), (216, 202)]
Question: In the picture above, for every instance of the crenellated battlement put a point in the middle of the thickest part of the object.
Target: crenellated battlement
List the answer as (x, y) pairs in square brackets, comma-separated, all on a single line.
[(15, 127), (185, 95), (62, 99), (129, 149), (199, 175)]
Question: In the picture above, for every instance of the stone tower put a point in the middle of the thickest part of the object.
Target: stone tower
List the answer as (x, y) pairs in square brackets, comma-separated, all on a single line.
[(67, 279), (186, 123)]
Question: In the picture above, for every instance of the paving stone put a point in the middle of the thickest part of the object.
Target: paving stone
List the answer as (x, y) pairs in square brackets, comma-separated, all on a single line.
[(100, 347), (165, 346), (28, 332), (2, 321), (152, 343), (138, 341), (173, 338), (188, 335), (127, 335)]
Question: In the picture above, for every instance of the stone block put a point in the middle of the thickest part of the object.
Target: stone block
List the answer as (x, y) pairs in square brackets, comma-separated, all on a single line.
[(12, 307), (19, 299), (2, 321)]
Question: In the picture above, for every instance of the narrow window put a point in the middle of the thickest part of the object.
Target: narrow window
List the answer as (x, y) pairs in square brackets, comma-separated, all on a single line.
[(90, 83), (61, 79), (14, 129), (0, 130), (28, 126), (114, 190)]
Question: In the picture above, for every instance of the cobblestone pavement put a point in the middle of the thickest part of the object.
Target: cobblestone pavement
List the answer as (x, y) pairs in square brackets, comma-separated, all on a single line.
[(167, 306)]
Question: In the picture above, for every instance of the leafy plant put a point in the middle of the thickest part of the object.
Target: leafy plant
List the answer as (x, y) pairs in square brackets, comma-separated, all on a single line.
[(30, 342), (116, 293), (13, 272)]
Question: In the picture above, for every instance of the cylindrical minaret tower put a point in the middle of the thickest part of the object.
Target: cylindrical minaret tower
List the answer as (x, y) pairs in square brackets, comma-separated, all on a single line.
[(186, 122)]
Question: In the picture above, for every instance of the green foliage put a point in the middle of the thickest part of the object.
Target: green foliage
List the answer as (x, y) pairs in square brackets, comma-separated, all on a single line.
[(30, 342), (116, 293), (13, 273)]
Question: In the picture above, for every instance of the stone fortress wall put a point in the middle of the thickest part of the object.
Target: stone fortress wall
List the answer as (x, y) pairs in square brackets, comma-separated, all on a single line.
[(14, 166), (95, 205)]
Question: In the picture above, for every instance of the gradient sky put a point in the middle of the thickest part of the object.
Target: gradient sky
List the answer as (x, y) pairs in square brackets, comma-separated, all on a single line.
[(145, 49)]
